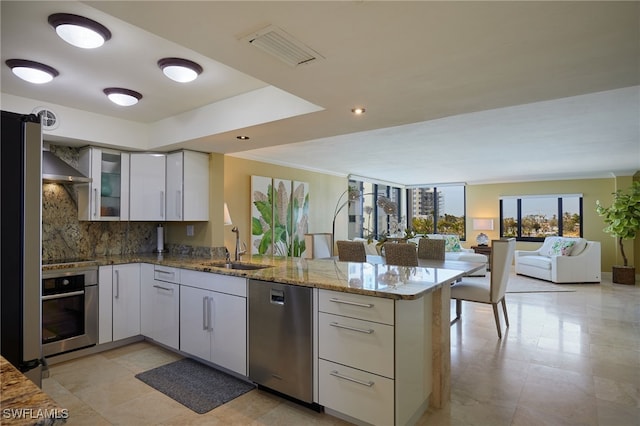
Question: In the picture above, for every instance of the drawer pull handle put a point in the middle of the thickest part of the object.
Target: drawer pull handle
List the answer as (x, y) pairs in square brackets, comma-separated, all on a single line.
[(351, 379), (348, 302), (163, 288), (359, 330)]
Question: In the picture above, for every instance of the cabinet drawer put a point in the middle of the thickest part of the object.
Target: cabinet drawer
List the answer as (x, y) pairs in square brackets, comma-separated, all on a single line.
[(360, 344), (356, 393), (236, 286), (165, 273), (367, 308)]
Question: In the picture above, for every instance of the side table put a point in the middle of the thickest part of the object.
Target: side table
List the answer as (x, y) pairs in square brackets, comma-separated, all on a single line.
[(486, 250)]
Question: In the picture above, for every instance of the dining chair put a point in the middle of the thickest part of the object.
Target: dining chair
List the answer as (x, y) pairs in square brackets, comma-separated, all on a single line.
[(400, 254), (431, 249), (351, 251), (493, 292)]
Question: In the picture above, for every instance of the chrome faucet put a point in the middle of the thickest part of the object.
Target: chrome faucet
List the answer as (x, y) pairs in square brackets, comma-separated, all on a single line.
[(239, 252)]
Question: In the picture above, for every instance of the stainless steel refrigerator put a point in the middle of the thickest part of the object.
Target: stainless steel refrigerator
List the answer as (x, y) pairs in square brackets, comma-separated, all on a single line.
[(21, 246)]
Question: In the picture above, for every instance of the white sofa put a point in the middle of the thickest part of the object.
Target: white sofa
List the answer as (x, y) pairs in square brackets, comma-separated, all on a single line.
[(453, 250), (561, 260)]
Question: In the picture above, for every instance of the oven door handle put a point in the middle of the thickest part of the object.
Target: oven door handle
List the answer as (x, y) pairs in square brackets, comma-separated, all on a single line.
[(62, 295)]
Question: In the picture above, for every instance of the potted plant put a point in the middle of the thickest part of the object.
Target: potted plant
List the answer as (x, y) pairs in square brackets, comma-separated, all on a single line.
[(623, 222)]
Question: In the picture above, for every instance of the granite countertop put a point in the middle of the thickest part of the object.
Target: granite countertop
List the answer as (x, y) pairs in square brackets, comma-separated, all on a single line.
[(395, 282), (24, 403)]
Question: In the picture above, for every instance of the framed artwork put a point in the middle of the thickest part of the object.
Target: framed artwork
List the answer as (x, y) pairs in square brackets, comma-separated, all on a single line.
[(279, 216), (261, 214)]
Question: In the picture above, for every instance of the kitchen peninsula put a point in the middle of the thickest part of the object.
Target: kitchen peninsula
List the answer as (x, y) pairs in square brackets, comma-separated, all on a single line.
[(403, 311)]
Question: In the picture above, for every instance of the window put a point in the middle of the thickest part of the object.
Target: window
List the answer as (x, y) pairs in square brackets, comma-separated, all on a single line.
[(532, 218), (437, 210), (376, 212)]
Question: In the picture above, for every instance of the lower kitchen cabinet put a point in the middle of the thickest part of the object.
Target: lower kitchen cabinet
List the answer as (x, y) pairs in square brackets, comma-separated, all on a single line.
[(213, 319), (118, 302), (374, 356), (105, 304), (160, 304)]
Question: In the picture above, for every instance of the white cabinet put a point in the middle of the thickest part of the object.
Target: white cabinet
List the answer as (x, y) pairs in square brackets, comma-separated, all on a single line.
[(118, 302), (106, 197), (105, 304), (187, 186), (147, 187), (356, 366), (160, 304), (213, 318), (126, 301), (375, 356)]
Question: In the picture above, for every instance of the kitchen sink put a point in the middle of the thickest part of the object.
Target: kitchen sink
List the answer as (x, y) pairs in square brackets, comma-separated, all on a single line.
[(239, 266)]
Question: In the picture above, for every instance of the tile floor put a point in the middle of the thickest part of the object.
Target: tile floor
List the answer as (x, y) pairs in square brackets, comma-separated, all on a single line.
[(570, 358)]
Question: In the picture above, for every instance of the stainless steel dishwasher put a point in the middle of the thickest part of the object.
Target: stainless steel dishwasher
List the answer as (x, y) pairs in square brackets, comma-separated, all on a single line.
[(281, 338)]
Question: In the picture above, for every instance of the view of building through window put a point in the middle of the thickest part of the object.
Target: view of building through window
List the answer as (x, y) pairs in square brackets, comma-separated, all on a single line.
[(376, 212), (380, 210), (437, 210), (536, 217)]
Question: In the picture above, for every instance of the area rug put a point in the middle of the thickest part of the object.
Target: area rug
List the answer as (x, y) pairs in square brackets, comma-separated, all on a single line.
[(195, 385), (521, 284)]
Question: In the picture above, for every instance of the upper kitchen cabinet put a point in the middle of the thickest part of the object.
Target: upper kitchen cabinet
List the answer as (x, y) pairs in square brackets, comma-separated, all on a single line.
[(187, 186), (147, 187), (107, 196)]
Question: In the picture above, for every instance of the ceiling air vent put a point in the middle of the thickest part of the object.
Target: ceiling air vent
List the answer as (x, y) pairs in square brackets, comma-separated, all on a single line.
[(283, 46), (48, 118)]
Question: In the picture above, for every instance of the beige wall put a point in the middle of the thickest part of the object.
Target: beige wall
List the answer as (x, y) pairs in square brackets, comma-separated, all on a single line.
[(230, 182), (483, 201)]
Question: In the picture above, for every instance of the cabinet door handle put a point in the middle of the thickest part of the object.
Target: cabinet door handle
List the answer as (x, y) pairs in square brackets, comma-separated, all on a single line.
[(348, 327), (210, 313), (161, 203), (348, 302), (351, 379), (96, 206), (163, 288), (205, 312), (117, 274), (172, 274), (178, 199)]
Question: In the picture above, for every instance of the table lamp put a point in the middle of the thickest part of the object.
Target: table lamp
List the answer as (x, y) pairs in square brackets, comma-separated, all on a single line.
[(482, 225)]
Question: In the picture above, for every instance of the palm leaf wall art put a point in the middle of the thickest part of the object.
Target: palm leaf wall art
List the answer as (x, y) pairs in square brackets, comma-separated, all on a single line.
[(279, 219)]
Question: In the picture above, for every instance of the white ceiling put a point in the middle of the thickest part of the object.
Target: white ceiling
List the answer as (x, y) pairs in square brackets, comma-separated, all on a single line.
[(455, 91)]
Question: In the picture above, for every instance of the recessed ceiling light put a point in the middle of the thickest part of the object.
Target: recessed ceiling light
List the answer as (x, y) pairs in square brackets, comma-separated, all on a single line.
[(180, 70), (243, 138), (122, 97), (33, 72), (79, 31), (358, 111)]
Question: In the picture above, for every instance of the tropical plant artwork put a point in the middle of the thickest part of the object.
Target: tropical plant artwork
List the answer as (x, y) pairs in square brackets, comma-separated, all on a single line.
[(279, 216)]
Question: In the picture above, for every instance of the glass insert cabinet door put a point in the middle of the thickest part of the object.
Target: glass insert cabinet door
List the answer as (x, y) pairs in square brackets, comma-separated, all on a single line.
[(106, 197)]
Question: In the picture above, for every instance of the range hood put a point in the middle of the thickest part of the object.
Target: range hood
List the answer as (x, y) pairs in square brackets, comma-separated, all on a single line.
[(57, 171)]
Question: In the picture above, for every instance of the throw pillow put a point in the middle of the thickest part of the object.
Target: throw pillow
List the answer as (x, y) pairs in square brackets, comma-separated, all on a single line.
[(452, 243), (561, 247)]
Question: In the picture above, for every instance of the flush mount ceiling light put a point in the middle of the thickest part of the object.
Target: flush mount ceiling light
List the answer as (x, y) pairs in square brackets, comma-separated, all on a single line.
[(79, 31), (33, 72), (358, 111), (122, 97), (180, 70)]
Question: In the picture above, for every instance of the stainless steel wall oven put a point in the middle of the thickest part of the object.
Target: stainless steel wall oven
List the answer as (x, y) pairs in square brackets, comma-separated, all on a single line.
[(69, 309)]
